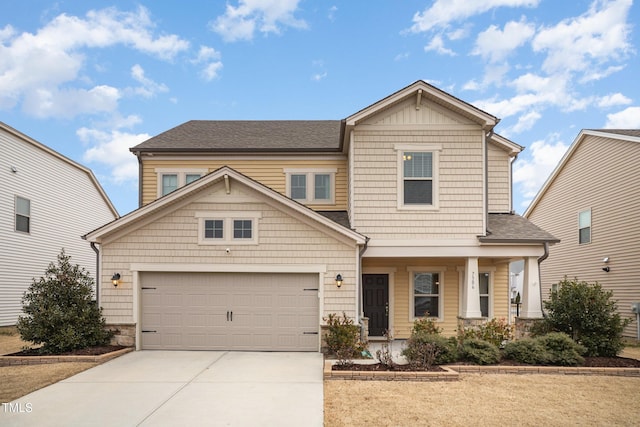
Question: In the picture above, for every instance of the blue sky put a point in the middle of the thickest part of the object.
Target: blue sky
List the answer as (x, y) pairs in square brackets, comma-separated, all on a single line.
[(93, 78)]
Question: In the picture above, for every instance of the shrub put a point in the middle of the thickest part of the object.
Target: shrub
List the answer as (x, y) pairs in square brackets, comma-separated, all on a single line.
[(425, 325), (562, 350), (385, 354), (424, 350), (526, 350), (495, 331), (59, 311), (588, 315), (343, 338), (479, 351)]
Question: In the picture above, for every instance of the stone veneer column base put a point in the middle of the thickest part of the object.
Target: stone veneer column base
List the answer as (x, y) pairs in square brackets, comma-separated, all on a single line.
[(470, 322), (523, 326), (125, 334)]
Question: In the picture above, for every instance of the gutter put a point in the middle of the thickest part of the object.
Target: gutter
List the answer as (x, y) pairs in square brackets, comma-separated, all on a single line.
[(97, 251), (139, 157), (544, 256), (360, 312)]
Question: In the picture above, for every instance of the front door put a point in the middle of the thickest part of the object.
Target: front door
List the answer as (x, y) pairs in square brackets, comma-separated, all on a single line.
[(375, 302)]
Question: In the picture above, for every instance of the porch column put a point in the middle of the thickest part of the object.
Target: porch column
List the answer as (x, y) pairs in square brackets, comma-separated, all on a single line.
[(471, 291), (531, 299)]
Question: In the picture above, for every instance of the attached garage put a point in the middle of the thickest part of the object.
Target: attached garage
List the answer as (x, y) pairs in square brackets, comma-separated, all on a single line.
[(229, 311)]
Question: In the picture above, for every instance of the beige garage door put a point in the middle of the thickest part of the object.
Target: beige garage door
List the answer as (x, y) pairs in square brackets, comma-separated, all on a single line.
[(230, 311)]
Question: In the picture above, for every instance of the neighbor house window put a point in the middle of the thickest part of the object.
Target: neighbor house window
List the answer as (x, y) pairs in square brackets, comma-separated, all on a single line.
[(23, 214), (311, 186), (417, 176), (484, 286), (170, 180), (584, 226), (228, 228), (426, 293)]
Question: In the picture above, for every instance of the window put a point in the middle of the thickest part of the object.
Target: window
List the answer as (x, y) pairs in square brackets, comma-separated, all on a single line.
[(171, 179), (417, 176), (484, 294), (584, 226), (311, 186), (23, 214), (426, 294), (228, 228)]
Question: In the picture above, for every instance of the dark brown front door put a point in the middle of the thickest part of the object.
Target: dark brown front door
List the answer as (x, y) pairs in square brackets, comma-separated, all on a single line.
[(375, 302)]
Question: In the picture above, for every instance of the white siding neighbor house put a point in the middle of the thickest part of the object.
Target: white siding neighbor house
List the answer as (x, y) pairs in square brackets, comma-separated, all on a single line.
[(250, 233), (592, 203), (47, 202)]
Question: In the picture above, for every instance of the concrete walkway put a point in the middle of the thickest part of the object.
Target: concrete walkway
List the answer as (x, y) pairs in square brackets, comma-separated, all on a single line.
[(181, 388)]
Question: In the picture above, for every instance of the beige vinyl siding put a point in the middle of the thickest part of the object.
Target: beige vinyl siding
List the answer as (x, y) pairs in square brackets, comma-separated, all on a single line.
[(460, 185), (172, 240), (65, 204), (499, 179), (269, 172), (403, 299), (601, 175)]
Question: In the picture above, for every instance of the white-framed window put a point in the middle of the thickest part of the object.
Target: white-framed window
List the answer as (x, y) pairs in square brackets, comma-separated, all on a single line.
[(171, 179), (311, 186), (228, 228), (584, 226), (22, 214), (484, 286), (426, 292), (417, 176)]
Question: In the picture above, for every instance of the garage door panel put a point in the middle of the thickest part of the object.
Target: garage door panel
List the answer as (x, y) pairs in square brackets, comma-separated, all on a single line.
[(230, 311)]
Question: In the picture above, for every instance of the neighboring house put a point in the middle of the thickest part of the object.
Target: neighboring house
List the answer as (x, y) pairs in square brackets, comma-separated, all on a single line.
[(592, 203), (47, 203), (251, 232)]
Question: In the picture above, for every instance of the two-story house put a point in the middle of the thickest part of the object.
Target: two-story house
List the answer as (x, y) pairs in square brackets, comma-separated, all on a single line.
[(251, 232), (591, 202), (47, 202)]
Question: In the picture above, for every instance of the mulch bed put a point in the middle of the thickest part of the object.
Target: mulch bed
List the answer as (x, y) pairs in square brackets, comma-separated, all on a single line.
[(591, 362), (88, 351)]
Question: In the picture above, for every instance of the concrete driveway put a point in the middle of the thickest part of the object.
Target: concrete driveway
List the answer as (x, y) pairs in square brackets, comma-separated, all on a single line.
[(181, 388)]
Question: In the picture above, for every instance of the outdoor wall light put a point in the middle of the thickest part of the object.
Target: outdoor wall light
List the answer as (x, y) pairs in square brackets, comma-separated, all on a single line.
[(115, 279), (606, 269), (339, 280)]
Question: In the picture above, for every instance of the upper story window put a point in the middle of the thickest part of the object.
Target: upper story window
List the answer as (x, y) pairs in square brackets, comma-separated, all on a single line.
[(417, 176), (584, 226), (23, 214), (171, 179), (228, 228), (426, 293), (311, 186)]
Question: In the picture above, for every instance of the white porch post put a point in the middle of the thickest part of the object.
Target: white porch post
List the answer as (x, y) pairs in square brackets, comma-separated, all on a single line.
[(471, 291), (531, 299)]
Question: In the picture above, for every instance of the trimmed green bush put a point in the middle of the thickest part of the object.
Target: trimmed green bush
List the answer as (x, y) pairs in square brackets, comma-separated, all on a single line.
[(562, 350), (526, 350), (479, 351), (424, 350), (59, 310), (343, 338), (586, 313)]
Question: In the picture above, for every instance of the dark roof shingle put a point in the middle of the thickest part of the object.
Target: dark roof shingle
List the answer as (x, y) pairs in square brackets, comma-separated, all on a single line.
[(248, 135), (512, 228)]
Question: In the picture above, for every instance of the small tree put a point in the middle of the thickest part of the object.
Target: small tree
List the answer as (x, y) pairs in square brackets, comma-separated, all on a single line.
[(59, 311), (588, 315), (343, 339)]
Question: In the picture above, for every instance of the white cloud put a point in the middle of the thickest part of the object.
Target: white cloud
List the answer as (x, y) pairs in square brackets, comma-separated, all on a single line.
[(526, 121), (111, 149), (613, 99), (266, 16), (42, 67), (530, 173), (628, 118), (149, 88), (437, 44), (495, 45), (332, 13), (211, 60), (443, 12), (586, 42)]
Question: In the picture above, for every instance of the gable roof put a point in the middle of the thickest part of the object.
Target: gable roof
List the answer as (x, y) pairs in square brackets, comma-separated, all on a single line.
[(632, 135), (74, 164), (509, 146), (220, 175), (232, 136), (512, 228), (421, 89)]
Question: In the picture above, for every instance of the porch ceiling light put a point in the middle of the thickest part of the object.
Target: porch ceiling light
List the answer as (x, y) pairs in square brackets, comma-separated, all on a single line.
[(115, 279), (339, 280)]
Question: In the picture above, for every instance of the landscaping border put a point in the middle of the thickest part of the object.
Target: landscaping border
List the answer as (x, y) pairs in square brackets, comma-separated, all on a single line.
[(453, 372), (40, 360)]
